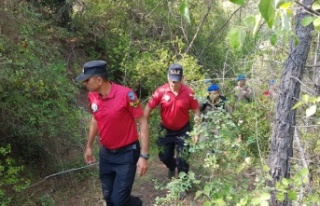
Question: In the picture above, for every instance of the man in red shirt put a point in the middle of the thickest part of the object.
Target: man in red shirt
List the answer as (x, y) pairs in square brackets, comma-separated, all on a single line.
[(175, 100), (116, 112)]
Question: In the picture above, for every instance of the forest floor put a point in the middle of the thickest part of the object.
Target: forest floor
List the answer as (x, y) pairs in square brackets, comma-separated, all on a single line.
[(77, 188)]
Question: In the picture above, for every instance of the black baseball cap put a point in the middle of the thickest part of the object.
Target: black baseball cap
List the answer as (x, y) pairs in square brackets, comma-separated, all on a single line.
[(175, 72), (92, 68)]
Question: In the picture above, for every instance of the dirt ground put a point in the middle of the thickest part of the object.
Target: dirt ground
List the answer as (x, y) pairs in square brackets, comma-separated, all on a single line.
[(145, 187), (79, 189)]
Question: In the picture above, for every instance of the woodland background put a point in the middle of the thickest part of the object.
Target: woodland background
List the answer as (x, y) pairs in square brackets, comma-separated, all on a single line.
[(43, 121)]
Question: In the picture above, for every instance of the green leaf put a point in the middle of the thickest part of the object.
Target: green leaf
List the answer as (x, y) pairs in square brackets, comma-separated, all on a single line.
[(236, 38), (305, 97), (184, 10), (265, 196), (313, 99), (198, 194), (314, 198), (207, 190), (284, 5), (249, 20), (304, 172), (297, 105), (274, 39), (305, 180), (285, 182), (280, 196), (257, 24), (315, 6), (244, 201), (239, 2), (219, 202), (306, 21), (311, 110), (267, 10), (266, 168), (292, 195), (278, 3), (207, 203), (182, 175), (255, 201), (316, 23), (296, 40)]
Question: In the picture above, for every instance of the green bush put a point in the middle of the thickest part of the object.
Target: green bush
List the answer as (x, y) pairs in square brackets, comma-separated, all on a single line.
[(254, 121), (39, 117), (10, 175)]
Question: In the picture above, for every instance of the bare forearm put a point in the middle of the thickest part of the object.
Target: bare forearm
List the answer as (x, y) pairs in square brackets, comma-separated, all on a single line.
[(93, 131), (144, 137), (146, 112), (144, 132)]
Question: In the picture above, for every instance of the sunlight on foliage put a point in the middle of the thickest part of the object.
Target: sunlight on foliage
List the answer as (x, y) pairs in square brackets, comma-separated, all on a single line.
[(236, 38), (267, 11), (239, 2), (184, 10)]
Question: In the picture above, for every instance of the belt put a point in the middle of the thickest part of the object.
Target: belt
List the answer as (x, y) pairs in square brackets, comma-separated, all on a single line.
[(185, 128), (124, 148)]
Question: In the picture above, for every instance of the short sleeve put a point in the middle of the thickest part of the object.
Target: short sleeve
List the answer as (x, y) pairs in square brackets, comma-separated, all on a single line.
[(134, 104), (194, 104), (155, 99), (90, 98)]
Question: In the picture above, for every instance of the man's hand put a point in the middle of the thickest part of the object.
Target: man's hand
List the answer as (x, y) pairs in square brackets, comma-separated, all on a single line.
[(197, 120), (88, 157), (196, 139), (142, 166)]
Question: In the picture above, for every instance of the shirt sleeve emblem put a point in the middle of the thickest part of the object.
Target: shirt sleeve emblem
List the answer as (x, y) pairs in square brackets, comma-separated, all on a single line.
[(134, 101), (132, 96), (94, 107)]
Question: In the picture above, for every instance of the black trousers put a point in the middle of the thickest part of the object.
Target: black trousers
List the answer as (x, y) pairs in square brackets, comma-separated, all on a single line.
[(174, 141), (117, 169)]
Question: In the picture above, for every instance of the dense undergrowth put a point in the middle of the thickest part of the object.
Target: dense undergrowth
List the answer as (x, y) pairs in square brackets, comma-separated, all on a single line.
[(43, 121)]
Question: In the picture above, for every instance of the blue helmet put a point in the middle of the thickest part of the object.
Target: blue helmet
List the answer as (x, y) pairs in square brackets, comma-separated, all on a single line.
[(241, 77), (213, 87)]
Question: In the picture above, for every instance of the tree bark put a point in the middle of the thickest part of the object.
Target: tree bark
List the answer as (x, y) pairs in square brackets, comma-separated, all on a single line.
[(289, 91), (316, 70)]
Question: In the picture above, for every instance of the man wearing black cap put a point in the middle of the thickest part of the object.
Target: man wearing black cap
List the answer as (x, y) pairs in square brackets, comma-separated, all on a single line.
[(175, 100), (116, 111)]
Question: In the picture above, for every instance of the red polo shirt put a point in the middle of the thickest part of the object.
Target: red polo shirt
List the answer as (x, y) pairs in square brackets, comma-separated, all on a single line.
[(115, 115), (174, 110)]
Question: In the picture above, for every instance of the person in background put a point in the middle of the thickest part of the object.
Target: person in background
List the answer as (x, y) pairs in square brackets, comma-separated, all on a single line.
[(116, 113), (272, 90), (242, 94), (215, 101), (175, 100), (242, 91)]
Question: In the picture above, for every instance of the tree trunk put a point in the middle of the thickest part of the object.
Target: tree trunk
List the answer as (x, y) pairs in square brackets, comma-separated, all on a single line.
[(316, 69), (289, 91)]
